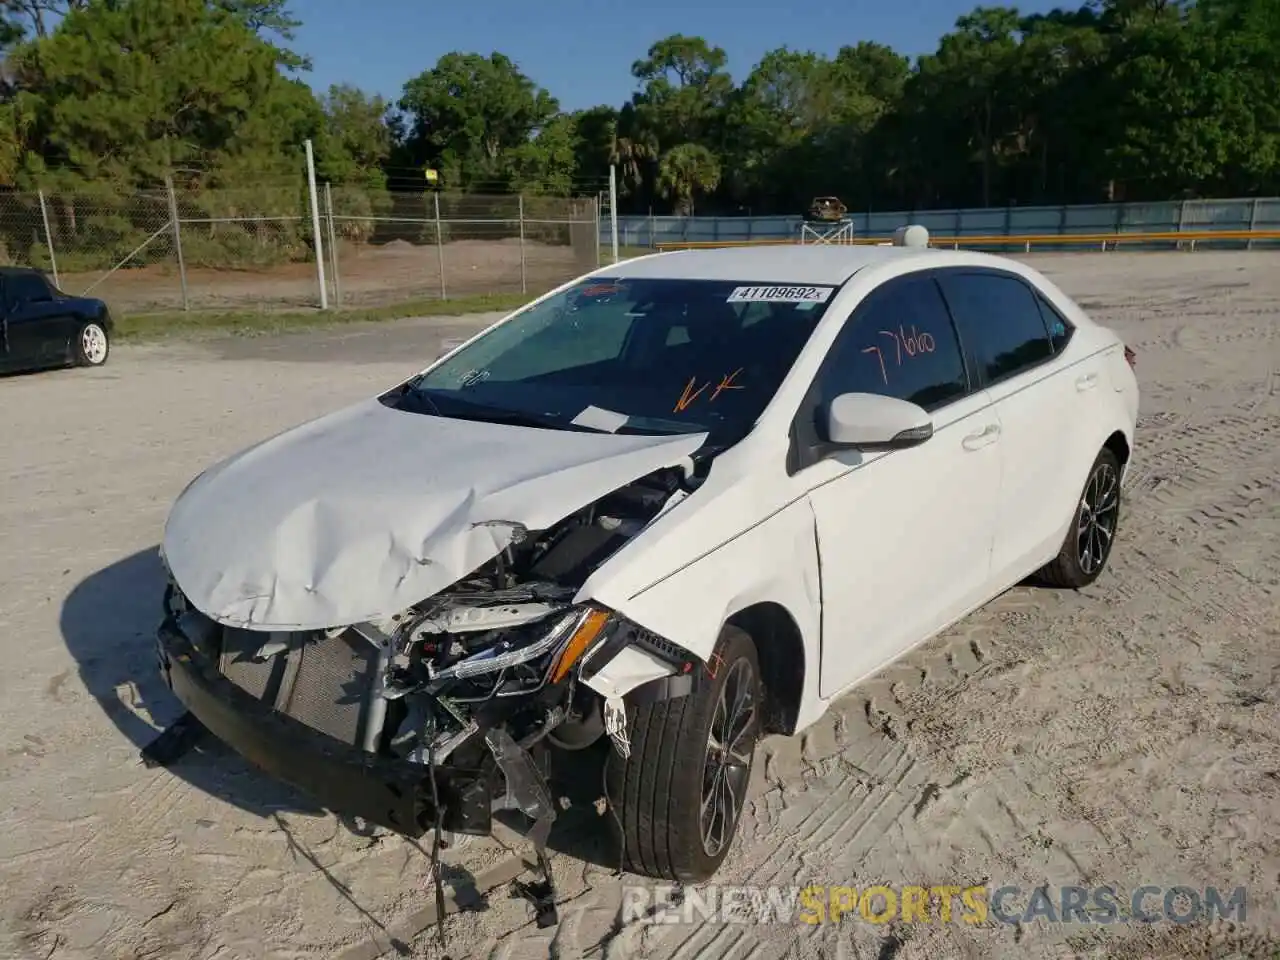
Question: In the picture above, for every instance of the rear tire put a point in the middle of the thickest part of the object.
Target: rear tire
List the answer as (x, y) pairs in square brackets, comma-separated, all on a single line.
[(92, 346), (1094, 525), (689, 755)]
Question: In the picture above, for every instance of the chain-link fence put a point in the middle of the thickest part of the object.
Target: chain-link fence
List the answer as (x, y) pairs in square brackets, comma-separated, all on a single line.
[(400, 245), (254, 248)]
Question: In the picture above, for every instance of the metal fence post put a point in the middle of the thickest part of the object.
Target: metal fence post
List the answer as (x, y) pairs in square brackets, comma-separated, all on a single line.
[(176, 224), (53, 258), (596, 221), (613, 209), (524, 288), (1253, 223), (439, 246), (315, 227), (333, 243)]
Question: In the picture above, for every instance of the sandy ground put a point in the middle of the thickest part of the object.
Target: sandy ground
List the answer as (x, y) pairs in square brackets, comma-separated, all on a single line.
[(1125, 734)]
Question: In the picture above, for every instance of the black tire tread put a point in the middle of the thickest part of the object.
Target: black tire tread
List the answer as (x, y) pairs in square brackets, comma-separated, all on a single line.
[(647, 789), (1063, 571)]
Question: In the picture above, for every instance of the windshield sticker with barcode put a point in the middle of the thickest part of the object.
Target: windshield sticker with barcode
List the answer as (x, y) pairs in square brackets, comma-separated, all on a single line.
[(776, 294)]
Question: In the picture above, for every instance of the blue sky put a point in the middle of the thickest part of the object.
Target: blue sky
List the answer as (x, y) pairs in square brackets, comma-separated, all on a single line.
[(581, 51)]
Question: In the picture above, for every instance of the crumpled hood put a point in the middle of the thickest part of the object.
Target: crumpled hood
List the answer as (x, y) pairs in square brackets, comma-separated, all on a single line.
[(357, 515)]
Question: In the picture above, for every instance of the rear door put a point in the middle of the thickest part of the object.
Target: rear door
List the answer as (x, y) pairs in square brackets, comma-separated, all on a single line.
[(1045, 405)]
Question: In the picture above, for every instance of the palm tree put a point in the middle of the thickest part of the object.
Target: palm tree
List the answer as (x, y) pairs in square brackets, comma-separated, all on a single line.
[(634, 148), (685, 170)]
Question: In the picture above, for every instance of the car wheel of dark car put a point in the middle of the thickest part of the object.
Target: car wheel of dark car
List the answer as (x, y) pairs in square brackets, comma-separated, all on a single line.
[(681, 792), (92, 345), (1093, 529)]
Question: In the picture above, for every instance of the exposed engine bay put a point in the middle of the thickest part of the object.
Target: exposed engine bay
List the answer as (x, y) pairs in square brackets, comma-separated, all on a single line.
[(479, 677), (498, 648), (439, 715)]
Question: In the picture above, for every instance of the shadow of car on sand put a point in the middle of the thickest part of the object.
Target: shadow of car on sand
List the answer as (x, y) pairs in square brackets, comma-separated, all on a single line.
[(109, 623)]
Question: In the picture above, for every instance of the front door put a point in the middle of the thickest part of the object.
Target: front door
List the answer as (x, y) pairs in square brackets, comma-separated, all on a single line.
[(904, 537), (38, 326)]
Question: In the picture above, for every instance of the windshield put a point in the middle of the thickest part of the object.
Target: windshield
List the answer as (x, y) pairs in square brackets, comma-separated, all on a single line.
[(631, 355)]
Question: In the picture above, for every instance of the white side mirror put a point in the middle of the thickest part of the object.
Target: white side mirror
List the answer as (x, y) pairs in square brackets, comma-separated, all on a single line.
[(869, 421)]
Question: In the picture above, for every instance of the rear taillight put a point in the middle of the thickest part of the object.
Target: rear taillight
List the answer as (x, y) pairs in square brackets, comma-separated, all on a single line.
[(1131, 358)]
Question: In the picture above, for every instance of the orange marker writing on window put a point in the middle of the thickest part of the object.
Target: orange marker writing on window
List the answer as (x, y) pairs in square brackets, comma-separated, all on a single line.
[(726, 383), (688, 397)]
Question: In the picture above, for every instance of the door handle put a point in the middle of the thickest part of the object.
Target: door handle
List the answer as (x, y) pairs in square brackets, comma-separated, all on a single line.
[(1086, 382), (987, 435)]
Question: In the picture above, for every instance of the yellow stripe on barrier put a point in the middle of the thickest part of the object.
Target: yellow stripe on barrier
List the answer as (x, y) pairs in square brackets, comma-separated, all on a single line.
[(1103, 240)]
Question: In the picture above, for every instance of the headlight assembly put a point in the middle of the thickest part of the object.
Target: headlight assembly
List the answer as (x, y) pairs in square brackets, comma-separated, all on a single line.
[(571, 635)]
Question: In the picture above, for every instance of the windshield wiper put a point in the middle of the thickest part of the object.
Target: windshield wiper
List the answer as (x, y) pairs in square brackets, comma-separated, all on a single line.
[(410, 395), (518, 418)]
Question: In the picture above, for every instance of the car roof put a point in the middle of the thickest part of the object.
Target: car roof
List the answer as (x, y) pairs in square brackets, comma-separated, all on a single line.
[(13, 271), (773, 263)]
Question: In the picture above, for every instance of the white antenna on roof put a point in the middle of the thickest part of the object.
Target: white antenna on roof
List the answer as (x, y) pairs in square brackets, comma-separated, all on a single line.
[(912, 235)]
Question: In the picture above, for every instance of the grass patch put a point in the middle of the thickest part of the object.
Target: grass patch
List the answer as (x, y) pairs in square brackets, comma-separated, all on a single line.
[(153, 326)]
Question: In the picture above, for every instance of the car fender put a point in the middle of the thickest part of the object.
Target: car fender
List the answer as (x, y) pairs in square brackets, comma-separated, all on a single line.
[(1106, 428), (774, 561)]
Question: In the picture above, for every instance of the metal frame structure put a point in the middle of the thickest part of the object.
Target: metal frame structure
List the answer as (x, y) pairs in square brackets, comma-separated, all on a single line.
[(822, 231)]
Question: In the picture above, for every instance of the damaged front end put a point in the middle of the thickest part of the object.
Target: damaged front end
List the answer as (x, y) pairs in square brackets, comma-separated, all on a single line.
[(445, 712)]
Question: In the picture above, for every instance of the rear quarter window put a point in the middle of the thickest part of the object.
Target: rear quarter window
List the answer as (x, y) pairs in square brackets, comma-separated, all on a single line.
[(1059, 327)]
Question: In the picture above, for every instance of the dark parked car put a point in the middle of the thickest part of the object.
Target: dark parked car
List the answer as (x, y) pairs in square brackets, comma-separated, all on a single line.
[(40, 326)]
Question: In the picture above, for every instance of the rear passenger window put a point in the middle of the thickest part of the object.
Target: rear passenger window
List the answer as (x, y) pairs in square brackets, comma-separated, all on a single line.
[(999, 321), (898, 343)]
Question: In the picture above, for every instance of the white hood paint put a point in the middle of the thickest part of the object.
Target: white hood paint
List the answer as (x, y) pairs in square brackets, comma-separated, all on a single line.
[(359, 514)]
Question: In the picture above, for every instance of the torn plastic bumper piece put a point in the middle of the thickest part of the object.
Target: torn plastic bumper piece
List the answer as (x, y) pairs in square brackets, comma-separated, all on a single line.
[(636, 664), (527, 792), (395, 794)]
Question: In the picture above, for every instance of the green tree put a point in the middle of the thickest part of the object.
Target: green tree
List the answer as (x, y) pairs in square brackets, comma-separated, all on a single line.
[(134, 90), (266, 18), (468, 113), (684, 92), (686, 170), (355, 141), (595, 132)]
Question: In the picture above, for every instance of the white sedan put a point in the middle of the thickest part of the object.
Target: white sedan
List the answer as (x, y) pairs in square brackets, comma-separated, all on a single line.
[(669, 507)]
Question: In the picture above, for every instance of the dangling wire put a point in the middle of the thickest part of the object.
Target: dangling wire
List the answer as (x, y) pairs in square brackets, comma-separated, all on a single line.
[(436, 837)]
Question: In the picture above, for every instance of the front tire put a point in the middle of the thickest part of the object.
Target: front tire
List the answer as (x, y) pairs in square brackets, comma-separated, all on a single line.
[(1087, 548), (680, 795), (93, 346)]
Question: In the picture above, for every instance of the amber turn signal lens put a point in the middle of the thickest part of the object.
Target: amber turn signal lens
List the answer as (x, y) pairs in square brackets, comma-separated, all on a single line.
[(582, 638)]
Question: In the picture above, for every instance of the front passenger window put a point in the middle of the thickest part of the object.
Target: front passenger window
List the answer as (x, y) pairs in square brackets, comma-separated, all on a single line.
[(27, 288), (899, 343)]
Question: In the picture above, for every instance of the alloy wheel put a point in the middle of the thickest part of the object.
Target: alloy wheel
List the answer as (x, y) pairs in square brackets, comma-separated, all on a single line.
[(727, 767), (1099, 512), (93, 344)]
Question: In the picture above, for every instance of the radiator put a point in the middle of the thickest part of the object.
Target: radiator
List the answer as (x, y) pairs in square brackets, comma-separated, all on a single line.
[(324, 682)]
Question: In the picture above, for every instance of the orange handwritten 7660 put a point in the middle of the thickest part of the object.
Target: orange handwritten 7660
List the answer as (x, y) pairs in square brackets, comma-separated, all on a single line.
[(912, 343)]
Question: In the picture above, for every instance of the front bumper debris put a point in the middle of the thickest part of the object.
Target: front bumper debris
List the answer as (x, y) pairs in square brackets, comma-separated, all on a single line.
[(395, 794)]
